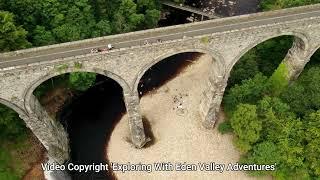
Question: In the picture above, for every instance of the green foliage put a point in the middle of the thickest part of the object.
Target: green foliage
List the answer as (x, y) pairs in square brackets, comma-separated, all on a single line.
[(205, 40), (279, 81), (77, 65), (281, 140), (303, 96), (225, 127), (152, 17), (62, 67), (127, 17), (102, 28), (179, 1), (246, 68), (312, 151), (271, 53), (5, 171), (280, 4), (12, 36), (51, 83), (246, 126), (258, 59), (249, 92), (53, 21), (81, 81), (11, 126), (265, 152), (41, 36), (290, 118)]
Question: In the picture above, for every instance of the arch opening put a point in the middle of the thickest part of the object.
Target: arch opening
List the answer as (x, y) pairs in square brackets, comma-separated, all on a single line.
[(88, 105), (265, 57), (303, 94), (179, 83), (11, 125), (256, 67)]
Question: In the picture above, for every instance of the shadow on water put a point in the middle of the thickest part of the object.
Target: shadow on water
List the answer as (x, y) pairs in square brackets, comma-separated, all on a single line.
[(165, 70), (91, 117)]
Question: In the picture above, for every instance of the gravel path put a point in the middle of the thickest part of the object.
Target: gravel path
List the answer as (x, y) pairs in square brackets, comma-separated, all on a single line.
[(172, 112)]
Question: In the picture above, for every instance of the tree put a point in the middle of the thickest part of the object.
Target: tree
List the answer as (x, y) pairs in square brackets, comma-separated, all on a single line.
[(312, 151), (246, 126), (303, 96), (281, 127), (249, 92), (6, 172), (245, 68), (12, 37), (127, 18), (278, 47), (144, 5), (279, 80), (280, 4), (81, 80), (41, 36), (11, 126), (151, 18), (265, 152), (102, 28)]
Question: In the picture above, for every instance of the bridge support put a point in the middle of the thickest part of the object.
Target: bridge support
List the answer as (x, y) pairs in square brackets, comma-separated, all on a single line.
[(138, 137), (49, 132), (211, 101), (296, 59)]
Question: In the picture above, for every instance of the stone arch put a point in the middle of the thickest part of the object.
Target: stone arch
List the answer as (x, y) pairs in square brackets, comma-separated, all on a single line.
[(210, 100), (217, 61), (21, 112), (300, 39), (51, 133), (314, 50), (29, 92), (311, 53)]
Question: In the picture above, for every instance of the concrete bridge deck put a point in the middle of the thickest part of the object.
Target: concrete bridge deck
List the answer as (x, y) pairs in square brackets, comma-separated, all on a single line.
[(137, 38)]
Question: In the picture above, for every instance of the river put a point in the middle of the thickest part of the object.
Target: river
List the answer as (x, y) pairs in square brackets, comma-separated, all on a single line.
[(224, 8), (91, 117)]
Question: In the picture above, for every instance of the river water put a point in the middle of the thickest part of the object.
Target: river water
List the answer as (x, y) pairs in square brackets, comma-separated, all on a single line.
[(91, 117), (224, 8)]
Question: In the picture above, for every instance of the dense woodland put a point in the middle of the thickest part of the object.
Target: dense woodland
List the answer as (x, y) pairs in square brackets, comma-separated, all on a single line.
[(273, 121)]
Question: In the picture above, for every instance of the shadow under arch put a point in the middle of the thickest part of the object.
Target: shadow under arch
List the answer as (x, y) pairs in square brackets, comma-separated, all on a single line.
[(100, 137), (29, 92), (299, 38), (314, 51), (21, 112), (217, 61)]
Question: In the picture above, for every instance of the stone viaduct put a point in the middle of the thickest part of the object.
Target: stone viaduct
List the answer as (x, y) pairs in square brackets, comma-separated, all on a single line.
[(226, 40)]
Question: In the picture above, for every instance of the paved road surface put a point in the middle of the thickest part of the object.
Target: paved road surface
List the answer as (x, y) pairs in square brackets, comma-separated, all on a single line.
[(138, 38)]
